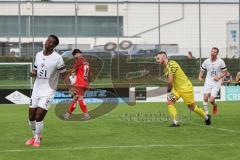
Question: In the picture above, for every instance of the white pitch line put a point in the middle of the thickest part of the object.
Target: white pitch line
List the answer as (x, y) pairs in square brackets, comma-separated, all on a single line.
[(222, 129), (121, 147)]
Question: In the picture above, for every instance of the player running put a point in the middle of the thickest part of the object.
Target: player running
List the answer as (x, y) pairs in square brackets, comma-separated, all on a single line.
[(178, 85), (81, 84), (216, 70), (48, 65)]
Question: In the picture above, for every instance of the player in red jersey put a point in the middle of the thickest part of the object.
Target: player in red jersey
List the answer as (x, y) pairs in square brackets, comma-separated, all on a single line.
[(80, 84)]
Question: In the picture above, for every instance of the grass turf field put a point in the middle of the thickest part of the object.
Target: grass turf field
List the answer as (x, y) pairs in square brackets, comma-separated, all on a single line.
[(112, 137)]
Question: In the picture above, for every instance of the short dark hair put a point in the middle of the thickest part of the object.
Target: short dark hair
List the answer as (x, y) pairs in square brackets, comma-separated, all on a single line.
[(161, 52), (215, 49), (56, 39), (76, 51)]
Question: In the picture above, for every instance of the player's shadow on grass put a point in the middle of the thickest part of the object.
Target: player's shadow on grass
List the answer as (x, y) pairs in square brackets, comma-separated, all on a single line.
[(102, 109)]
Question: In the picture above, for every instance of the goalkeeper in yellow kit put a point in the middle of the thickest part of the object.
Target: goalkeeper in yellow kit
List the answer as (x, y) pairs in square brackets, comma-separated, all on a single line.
[(178, 85)]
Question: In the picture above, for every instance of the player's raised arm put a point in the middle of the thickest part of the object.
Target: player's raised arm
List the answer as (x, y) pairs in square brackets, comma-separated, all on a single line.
[(61, 69), (65, 77)]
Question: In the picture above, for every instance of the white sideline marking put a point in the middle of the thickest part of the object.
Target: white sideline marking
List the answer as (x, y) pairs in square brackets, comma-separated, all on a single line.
[(222, 129), (120, 147)]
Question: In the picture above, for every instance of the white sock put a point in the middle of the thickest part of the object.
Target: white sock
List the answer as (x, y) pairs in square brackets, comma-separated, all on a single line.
[(205, 105), (32, 124), (39, 128), (175, 121)]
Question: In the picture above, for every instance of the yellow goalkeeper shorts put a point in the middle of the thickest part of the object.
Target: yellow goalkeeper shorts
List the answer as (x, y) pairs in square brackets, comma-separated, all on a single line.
[(187, 95)]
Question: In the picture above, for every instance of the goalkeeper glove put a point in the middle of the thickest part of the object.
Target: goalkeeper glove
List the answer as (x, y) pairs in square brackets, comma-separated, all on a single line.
[(171, 96)]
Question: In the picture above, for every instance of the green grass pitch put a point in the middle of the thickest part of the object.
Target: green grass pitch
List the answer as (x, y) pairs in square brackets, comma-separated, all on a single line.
[(115, 138)]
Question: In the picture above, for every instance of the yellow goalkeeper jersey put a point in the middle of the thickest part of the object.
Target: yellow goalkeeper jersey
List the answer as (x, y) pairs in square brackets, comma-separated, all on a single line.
[(180, 80)]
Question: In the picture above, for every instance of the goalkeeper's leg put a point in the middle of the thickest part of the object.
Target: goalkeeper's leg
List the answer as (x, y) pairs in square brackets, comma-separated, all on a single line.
[(171, 99), (173, 113), (188, 98), (197, 110), (200, 112)]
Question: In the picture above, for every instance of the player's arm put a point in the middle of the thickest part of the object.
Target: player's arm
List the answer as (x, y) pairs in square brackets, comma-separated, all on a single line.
[(63, 73), (34, 70), (223, 73), (170, 83), (72, 76), (33, 73), (67, 82), (220, 76), (200, 76), (65, 77), (202, 70), (170, 95), (172, 69)]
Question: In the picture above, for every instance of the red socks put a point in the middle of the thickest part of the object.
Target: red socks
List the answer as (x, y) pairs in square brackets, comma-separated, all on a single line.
[(72, 107), (82, 105)]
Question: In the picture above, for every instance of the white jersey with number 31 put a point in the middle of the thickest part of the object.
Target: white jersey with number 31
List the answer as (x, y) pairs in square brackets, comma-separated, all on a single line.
[(213, 69), (48, 69)]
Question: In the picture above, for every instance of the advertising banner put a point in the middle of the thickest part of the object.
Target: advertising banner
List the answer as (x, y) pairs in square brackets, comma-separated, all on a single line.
[(99, 95), (232, 93)]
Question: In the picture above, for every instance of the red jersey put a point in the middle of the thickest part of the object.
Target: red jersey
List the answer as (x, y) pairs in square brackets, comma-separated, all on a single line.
[(81, 67)]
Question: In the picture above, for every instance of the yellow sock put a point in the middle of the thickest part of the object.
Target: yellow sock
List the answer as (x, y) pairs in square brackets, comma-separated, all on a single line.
[(199, 111), (173, 112)]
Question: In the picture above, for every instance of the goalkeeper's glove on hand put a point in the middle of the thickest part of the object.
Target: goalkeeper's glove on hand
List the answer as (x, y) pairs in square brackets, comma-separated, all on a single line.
[(171, 96)]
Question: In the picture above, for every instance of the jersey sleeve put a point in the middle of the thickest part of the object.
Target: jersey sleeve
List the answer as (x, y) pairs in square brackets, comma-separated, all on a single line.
[(61, 66), (223, 66), (204, 66), (172, 67), (35, 66)]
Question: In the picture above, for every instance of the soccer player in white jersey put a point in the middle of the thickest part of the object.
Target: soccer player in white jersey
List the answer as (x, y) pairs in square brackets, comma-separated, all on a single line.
[(216, 70), (48, 65)]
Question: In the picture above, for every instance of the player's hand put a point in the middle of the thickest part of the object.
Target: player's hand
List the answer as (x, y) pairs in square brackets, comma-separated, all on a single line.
[(171, 97), (216, 78), (33, 73)]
